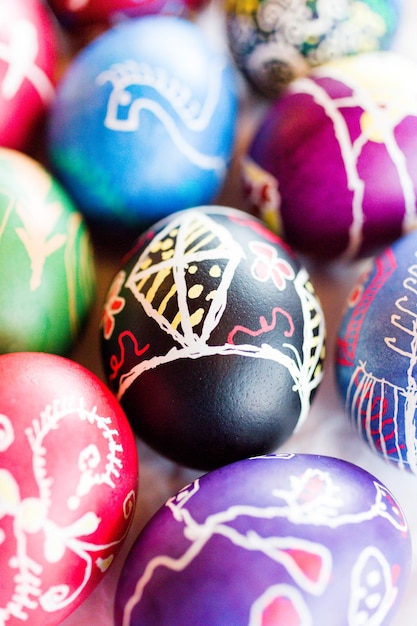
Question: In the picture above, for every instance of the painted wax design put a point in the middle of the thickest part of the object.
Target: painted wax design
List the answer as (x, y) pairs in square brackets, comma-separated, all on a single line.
[(47, 277), (377, 354), (213, 337), (275, 41), (68, 486), (358, 193), (136, 132), (269, 540), (28, 62)]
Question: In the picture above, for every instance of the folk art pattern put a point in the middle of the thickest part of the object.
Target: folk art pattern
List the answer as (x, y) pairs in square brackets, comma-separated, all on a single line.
[(201, 522), (34, 542), (182, 280), (377, 355)]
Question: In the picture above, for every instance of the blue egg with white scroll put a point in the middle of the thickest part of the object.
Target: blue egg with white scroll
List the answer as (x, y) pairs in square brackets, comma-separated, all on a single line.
[(144, 120)]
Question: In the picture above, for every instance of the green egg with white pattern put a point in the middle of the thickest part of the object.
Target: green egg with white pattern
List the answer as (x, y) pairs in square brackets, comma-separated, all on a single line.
[(47, 274)]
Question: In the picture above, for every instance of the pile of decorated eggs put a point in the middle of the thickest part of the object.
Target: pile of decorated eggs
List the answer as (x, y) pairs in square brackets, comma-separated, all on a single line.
[(47, 274), (332, 165), (213, 337), (282, 540), (28, 64), (68, 485), (275, 41), (138, 131)]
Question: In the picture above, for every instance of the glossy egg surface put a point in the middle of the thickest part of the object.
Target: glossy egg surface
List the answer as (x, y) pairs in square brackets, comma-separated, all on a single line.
[(332, 166), (273, 42), (212, 337), (28, 64), (138, 131), (68, 484), (90, 12), (376, 354), (283, 540), (47, 274)]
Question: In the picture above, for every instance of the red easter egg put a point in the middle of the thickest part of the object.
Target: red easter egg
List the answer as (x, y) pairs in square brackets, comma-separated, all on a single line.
[(28, 62), (75, 13), (68, 485)]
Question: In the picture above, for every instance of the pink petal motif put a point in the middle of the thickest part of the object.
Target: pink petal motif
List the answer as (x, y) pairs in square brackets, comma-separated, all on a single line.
[(113, 305), (261, 270), (263, 250), (281, 272)]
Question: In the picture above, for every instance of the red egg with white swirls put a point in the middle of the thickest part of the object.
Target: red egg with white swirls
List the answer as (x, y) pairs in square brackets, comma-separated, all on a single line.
[(28, 65), (68, 486)]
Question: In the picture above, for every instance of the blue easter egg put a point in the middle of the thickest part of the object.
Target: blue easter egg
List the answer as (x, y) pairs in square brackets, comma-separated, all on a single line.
[(144, 121), (377, 354)]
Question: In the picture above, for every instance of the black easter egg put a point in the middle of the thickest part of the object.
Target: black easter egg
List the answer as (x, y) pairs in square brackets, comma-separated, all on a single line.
[(212, 338)]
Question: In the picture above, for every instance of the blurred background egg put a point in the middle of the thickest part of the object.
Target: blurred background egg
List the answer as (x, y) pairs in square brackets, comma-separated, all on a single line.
[(88, 12), (376, 356), (286, 539), (212, 337), (273, 42), (144, 121), (332, 166), (47, 274), (68, 486), (28, 66)]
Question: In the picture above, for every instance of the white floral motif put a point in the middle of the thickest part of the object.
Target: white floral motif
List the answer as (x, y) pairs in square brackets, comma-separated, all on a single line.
[(31, 514)]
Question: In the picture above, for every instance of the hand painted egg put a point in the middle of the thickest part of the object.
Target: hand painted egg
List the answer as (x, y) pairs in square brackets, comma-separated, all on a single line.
[(68, 483), (274, 41), (88, 12), (47, 277), (28, 61), (212, 338), (332, 166), (377, 354), (144, 121), (284, 540)]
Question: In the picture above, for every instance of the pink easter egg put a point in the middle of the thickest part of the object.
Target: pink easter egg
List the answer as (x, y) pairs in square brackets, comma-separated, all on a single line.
[(28, 61), (68, 485)]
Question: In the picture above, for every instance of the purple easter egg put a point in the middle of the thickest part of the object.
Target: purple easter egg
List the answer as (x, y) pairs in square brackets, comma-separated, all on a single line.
[(376, 356), (333, 164), (213, 338), (282, 540)]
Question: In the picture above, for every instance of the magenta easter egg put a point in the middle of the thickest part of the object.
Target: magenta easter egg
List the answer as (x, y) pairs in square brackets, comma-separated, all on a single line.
[(68, 484), (213, 337), (332, 166), (286, 540), (275, 42), (28, 63), (90, 12), (47, 272)]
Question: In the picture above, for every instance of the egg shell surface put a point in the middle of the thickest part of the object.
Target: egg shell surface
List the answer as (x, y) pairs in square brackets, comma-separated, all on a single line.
[(28, 65), (144, 121), (68, 485), (47, 273), (90, 12), (212, 337), (280, 539), (332, 165), (275, 42), (375, 362)]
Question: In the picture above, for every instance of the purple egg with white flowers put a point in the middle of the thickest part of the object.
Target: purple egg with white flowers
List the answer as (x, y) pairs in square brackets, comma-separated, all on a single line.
[(333, 164), (143, 123), (376, 355), (278, 540)]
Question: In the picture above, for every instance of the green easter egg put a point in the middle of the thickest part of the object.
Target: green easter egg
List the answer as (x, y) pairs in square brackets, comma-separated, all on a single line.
[(47, 277)]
